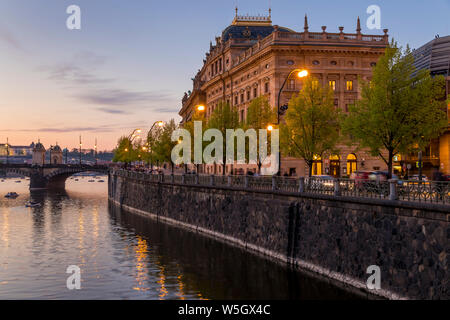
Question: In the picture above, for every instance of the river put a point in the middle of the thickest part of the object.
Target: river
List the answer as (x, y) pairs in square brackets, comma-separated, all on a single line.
[(125, 256)]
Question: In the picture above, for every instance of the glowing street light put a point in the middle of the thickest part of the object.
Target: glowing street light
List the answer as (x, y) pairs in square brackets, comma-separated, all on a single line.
[(201, 108), (270, 127), (301, 73)]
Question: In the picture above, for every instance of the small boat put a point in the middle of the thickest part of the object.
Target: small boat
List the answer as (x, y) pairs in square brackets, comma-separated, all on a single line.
[(76, 179), (91, 181), (18, 181), (33, 204), (12, 195), (101, 180)]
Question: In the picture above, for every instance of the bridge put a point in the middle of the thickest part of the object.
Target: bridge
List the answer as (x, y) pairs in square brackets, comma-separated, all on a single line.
[(50, 176)]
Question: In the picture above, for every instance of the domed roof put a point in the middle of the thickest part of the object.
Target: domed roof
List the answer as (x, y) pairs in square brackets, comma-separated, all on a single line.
[(39, 147), (57, 149), (249, 32)]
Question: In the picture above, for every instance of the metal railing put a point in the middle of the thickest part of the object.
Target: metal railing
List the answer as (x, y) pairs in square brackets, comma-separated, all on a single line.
[(425, 191)]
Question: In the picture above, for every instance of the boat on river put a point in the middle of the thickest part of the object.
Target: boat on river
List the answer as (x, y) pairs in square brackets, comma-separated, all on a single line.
[(11, 195), (32, 204)]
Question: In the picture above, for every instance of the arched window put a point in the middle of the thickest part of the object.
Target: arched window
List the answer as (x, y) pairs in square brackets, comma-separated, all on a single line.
[(335, 166), (317, 165), (351, 163)]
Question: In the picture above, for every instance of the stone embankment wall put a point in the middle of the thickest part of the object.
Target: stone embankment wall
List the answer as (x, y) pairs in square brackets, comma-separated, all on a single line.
[(336, 238)]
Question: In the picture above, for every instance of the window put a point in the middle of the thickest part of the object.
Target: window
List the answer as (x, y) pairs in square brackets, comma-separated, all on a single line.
[(315, 84), (255, 92), (317, 165), (349, 85), (242, 115), (267, 66), (291, 85), (248, 95), (290, 62), (333, 63), (351, 163), (332, 84), (236, 100), (373, 64), (316, 62), (266, 87), (242, 98)]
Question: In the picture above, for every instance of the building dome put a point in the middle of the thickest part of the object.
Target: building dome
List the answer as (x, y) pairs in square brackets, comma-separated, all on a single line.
[(249, 32), (38, 147), (57, 149)]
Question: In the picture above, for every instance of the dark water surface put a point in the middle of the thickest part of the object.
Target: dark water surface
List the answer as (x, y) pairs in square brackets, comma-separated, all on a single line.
[(125, 256)]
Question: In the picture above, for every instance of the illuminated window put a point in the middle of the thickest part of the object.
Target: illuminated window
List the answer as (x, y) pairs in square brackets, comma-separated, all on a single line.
[(351, 163), (291, 85), (332, 84), (315, 84), (349, 85), (317, 165)]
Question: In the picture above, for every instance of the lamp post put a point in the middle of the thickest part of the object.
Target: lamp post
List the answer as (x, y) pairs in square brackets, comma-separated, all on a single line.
[(80, 150), (160, 124), (301, 73), (50, 154), (200, 108), (7, 150), (67, 150), (95, 151)]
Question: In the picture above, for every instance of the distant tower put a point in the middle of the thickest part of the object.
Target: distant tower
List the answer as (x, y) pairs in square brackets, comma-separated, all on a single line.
[(38, 154), (57, 155)]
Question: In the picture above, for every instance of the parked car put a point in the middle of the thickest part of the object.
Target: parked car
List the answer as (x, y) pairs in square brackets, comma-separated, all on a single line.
[(416, 177)]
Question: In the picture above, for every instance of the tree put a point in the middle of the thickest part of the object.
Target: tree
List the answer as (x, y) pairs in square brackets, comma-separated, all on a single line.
[(400, 109), (224, 117), (164, 145), (125, 151), (311, 123), (189, 126), (259, 116), (153, 136)]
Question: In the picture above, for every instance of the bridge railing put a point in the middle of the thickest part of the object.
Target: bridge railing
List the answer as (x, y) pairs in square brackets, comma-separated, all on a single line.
[(425, 191)]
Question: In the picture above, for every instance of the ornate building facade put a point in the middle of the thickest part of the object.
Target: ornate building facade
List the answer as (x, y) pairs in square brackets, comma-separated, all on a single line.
[(253, 58)]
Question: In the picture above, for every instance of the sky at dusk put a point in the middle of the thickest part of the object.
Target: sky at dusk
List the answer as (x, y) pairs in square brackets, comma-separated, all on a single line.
[(131, 62)]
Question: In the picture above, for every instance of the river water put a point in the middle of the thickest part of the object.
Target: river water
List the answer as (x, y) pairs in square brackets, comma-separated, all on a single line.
[(125, 256)]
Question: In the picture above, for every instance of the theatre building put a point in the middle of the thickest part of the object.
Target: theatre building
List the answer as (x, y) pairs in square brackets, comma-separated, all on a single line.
[(253, 58)]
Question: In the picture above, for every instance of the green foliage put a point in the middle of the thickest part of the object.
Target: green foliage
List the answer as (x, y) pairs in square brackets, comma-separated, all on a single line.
[(311, 123), (125, 151), (259, 116), (162, 147), (399, 110), (224, 117)]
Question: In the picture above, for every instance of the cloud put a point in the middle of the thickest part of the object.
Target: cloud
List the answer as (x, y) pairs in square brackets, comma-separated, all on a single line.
[(111, 110), (122, 97), (68, 72), (100, 128), (7, 37), (166, 109)]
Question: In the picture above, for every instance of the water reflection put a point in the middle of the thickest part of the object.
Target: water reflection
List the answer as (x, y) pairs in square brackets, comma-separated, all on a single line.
[(126, 256)]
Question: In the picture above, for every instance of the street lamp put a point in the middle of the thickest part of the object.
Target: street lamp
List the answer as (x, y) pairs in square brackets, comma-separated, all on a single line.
[(80, 150), (301, 73), (160, 124), (95, 151), (201, 108), (7, 150)]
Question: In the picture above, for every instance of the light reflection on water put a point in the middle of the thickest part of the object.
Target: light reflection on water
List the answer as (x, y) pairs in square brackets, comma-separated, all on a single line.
[(125, 256)]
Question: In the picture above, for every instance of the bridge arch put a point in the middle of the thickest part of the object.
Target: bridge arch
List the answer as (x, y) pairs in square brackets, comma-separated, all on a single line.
[(57, 179)]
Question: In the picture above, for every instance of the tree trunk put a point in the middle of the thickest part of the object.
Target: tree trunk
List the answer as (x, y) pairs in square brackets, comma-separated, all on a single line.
[(391, 156)]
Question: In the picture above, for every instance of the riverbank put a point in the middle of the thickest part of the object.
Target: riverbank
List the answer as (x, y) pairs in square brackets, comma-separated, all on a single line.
[(335, 237)]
